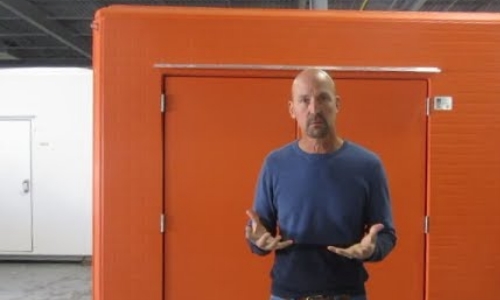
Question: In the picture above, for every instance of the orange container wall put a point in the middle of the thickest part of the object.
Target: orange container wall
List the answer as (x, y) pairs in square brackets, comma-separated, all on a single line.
[(464, 157)]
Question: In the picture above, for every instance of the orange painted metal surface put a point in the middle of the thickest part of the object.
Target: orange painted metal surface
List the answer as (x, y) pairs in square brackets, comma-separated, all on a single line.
[(217, 132), (464, 163), (211, 175)]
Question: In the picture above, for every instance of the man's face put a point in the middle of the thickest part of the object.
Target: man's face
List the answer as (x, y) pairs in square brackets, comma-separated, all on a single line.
[(314, 106)]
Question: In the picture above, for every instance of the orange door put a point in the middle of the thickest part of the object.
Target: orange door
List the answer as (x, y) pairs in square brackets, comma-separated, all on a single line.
[(217, 132), (389, 117)]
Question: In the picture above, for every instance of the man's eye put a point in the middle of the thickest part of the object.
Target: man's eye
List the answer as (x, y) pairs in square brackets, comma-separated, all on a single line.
[(324, 98)]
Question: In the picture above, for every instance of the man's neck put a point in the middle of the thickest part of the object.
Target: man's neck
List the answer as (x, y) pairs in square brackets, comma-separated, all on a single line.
[(320, 146)]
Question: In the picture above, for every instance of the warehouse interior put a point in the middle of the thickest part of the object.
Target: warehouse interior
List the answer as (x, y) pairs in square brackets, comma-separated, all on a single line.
[(47, 87), (58, 33)]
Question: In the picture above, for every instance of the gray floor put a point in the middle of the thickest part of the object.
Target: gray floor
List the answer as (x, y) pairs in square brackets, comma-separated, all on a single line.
[(44, 281)]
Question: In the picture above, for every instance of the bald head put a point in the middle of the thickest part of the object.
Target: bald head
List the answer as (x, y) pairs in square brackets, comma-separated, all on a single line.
[(312, 78), (314, 103)]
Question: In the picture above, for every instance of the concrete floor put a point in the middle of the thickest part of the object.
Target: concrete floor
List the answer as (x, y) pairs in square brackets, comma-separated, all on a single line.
[(44, 281)]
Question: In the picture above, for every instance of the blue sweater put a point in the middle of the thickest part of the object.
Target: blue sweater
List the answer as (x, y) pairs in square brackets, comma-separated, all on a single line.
[(319, 200)]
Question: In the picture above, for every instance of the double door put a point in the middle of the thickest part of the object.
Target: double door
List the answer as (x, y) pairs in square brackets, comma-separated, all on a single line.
[(217, 132)]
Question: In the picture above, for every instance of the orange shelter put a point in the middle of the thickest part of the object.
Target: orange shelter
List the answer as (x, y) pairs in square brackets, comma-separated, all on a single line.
[(188, 101)]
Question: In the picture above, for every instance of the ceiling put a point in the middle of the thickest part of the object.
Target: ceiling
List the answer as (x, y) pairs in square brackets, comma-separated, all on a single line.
[(58, 33)]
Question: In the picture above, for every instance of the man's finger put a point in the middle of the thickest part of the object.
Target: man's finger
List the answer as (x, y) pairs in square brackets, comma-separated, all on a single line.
[(272, 243), (344, 252), (277, 244), (253, 216), (262, 241), (248, 232), (284, 244), (375, 229), (371, 237), (338, 250)]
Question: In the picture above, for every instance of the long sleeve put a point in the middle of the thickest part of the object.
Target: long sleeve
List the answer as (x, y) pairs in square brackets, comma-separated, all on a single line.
[(264, 205), (378, 210)]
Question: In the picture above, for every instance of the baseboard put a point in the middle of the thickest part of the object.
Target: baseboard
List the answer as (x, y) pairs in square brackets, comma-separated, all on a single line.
[(85, 259)]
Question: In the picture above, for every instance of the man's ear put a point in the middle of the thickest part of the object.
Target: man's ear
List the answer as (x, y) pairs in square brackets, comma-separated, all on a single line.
[(290, 109), (337, 102)]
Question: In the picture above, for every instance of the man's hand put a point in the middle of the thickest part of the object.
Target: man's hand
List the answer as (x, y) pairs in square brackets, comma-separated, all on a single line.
[(257, 234), (363, 249)]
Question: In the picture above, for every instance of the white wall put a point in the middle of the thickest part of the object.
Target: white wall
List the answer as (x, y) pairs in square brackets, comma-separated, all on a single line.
[(60, 99)]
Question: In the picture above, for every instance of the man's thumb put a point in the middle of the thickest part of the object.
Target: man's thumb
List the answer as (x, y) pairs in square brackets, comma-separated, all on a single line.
[(253, 216), (376, 229)]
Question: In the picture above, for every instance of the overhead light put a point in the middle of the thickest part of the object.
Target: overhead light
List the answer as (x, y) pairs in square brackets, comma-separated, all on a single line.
[(7, 56)]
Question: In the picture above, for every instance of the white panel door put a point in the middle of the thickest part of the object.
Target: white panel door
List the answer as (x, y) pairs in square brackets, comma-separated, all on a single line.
[(15, 186)]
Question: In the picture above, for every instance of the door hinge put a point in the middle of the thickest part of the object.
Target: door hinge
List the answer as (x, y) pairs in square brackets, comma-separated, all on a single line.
[(162, 223), (428, 106), (162, 103), (426, 224)]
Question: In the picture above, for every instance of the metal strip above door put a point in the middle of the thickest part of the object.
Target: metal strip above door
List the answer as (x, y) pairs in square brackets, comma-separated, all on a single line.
[(270, 67)]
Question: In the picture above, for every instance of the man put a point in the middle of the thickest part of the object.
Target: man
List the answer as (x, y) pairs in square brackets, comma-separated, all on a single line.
[(322, 203)]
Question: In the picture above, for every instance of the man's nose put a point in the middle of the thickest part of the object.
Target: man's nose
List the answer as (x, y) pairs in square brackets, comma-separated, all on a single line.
[(313, 106)]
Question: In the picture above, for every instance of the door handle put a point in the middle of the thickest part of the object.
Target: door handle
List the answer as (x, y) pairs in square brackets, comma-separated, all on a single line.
[(26, 186)]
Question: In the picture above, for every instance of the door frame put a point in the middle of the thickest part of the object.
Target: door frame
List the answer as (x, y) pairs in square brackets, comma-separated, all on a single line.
[(28, 118), (426, 73)]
